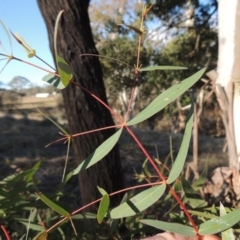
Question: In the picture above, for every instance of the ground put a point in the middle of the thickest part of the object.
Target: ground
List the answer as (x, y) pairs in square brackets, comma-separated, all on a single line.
[(24, 136)]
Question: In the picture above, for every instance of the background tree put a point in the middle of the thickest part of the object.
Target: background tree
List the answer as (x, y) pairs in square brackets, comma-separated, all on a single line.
[(190, 36), (179, 33), (19, 83), (2, 85), (83, 112)]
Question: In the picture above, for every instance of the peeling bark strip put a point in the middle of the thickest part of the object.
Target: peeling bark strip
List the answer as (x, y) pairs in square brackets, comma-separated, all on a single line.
[(83, 112)]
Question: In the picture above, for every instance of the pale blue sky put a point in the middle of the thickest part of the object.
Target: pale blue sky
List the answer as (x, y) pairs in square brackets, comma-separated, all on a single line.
[(25, 18)]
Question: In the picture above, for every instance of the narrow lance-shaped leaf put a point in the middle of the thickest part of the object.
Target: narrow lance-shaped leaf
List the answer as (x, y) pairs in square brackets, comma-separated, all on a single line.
[(55, 32), (33, 226), (138, 203), (84, 216), (170, 227), (68, 177), (202, 214), (103, 208), (182, 154), (165, 98), (54, 122), (137, 30), (23, 176), (99, 153), (145, 168), (228, 234), (66, 160), (114, 222), (102, 191), (63, 68), (53, 205), (193, 197), (220, 224), (153, 68), (35, 168), (202, 179)]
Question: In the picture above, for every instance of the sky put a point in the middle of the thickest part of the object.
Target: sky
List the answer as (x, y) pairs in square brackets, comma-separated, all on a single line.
[(24, 18)]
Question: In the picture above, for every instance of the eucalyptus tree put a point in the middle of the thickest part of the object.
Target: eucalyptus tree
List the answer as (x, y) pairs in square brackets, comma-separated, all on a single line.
[(83, 112)]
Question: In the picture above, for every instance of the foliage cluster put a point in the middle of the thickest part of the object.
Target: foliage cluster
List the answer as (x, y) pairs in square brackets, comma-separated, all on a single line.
[(21, 202)]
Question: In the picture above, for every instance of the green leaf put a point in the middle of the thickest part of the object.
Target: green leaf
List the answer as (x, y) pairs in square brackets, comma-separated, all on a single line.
[(33, 226), (99, 153), (68, 177), (202, 214), (114, 222), (84, 216), (202, 179), (193, 197), (53, 205), (53, 80), (137, 30), (182, 154), (170, 227), (23, 176), (54, 122), (64, 71), (138, 203), (102, 191), (23, 237), (66, 160), (35, 168), (220, 224), (55, 31), (228, 234), (153, 68), (103, 208), (145, 168), (63, 68), (165, 98)]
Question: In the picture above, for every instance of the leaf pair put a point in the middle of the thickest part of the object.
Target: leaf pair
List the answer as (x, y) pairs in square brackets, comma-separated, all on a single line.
[(213, 226)]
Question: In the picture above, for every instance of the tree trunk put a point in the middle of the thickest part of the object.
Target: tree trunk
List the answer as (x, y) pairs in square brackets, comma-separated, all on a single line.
[(83, 112), (227, 88)]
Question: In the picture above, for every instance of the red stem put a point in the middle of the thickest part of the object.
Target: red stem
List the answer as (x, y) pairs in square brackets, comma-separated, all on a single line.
[(5, 232), (99, 100)]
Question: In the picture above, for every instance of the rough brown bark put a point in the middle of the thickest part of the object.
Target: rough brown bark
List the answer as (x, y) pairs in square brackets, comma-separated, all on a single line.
[(83, 112)]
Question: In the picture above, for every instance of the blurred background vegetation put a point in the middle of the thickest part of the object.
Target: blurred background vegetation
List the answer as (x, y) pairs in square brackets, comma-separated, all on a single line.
[(178, 33)]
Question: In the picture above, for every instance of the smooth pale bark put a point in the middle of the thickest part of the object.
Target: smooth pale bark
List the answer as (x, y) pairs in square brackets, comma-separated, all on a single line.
[(227, 87), (83, 112), (236, 79)]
